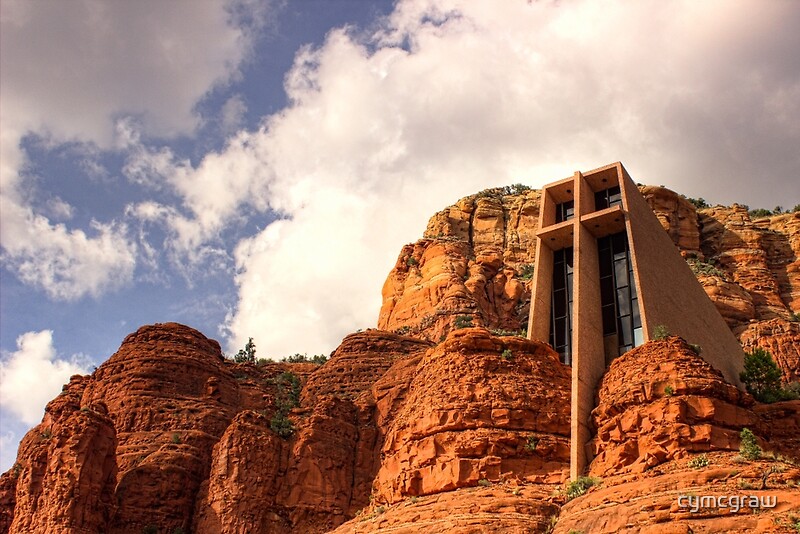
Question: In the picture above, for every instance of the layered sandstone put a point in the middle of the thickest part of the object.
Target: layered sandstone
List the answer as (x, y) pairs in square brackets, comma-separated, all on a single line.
[(668, 426), (473, 263), (169, 435), (477, 409), (662, 401), (397, 433), (64, 477), (473, 266)]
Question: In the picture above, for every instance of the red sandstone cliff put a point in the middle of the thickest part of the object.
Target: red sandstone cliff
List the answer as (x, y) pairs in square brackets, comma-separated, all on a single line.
[(399, 434), (474, 261)]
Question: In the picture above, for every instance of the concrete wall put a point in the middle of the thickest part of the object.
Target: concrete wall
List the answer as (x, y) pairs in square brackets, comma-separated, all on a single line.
[(669, 293), (588, 358)]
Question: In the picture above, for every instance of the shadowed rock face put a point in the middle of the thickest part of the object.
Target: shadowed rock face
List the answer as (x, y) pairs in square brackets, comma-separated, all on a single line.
[(397, 433), (169, 434)]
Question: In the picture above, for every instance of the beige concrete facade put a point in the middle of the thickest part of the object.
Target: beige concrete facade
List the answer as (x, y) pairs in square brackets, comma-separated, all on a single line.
[(668, 292)]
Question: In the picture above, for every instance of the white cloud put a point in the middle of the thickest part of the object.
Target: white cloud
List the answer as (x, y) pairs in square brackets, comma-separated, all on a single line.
[(33, 375), (455, 96), (66, 264), (70, 71), (232, 113)]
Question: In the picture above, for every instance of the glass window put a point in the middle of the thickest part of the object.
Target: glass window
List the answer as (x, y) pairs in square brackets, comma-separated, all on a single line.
[(618, 297), (565, 211)]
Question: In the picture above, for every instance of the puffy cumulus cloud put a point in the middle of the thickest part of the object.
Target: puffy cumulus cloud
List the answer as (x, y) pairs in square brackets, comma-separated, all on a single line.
[(151, 59), (221, 190), (66, 264), (32, 375), (70, 70), (449, 97)]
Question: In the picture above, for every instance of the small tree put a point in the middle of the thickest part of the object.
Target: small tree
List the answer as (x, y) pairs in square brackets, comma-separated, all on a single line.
[(748, 446), (247, 354), (761, 376)]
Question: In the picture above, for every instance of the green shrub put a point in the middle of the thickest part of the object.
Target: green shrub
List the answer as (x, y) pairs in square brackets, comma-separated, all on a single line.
[(761, 376), (579, 486), (247, 354), (661, 332), (748, 446), (515, 189), (702, 267), (463, 321), (699, 203), (150, 529), (526, 271), (411, 261), (484, 482), (759, 213), (176, 439), (668, 391), (531, 444), (696, 348), (281, 425), (698, 461), (318, 359), (507, 354), (403, 330)]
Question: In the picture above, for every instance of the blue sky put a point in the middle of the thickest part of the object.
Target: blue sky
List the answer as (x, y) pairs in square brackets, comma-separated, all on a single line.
[(252, 168)]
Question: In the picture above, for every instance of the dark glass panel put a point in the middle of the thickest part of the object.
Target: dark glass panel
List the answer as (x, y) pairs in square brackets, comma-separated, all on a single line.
[(624, 301), (559, 303), (637, 320), (621, 272), (626, 330), (609, 320), (606, 290), (605, 262)]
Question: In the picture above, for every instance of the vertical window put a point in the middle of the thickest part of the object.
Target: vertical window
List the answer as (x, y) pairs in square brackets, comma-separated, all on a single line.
[(618, 297), (561, 305)]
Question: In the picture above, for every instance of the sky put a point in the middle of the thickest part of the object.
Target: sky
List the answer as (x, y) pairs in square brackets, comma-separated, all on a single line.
[(252, 168)]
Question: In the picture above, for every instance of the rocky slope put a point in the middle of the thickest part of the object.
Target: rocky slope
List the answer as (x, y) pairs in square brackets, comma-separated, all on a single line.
[(427, 424)]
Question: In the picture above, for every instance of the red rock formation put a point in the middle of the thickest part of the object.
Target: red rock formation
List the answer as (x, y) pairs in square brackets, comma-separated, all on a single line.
[(470, 412), (168, 434), (471, 264), (503, 507), (659, 407), (64, 477), (661, 401), (395, 434)]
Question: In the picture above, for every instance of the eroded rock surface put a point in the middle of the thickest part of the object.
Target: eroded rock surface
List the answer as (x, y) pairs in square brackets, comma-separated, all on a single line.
[(429, 424)]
